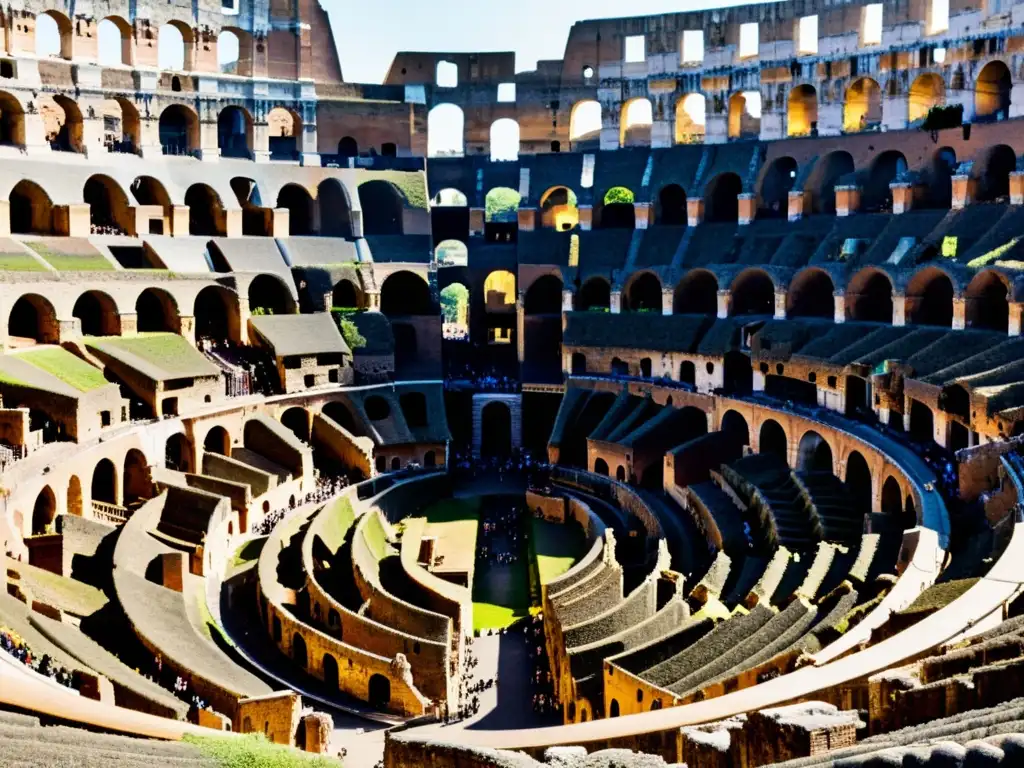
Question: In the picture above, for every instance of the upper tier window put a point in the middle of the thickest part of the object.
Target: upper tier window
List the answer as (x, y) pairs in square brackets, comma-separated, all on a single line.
[(750, 40), (938, 16), (807, 39), (872, 32), (506, 92), (447, 74), (693, 47), (635, 49)]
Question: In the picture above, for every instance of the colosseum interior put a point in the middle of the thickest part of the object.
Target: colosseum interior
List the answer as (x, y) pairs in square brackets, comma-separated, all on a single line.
[(338, 420)]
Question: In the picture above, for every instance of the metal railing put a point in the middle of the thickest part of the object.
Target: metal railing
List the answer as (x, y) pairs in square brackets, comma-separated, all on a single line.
[(109, 513)]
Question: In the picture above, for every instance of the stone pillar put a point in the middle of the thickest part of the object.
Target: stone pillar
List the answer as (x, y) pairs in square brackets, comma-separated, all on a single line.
[(243, 319), (149, 139), (899, 309), (35, 135), (261, 142), (476, 222), (797, 205), (318, 727), (839, 301), (79, 222), (615, 300), (586, 213), (233, 222), (963, 191), (567, 301), (527, 219), (747, 208), (92, 137), (780, 304), (356, 219), (895, 112), (129, 323), (694, 211), (959, 313), (209, 151), (280, 222), (5, 218), (521, 326), (1016, 310), (902, 197), (724, 302), (188, 328), (667, 297), (1016, 188), (847, 200), (642, 212), (179, 220), (373, 301)]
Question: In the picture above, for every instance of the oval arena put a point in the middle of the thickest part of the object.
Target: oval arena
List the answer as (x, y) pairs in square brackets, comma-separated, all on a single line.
[(660, 405)]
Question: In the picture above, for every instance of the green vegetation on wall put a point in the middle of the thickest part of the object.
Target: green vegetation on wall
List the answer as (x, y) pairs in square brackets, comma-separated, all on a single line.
[(619, 195), (501, 204)]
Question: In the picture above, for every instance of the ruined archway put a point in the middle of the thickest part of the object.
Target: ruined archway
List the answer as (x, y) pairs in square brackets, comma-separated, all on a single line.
[(858, 483), (635, 123), (671, 208), (992, 92), (31, 210), (585, 125), (745, 115), (299, 204), (753, 293), (927, 91), (862, 107), (821, 182), (217, 441), (988, 302), (382, 205), (97, 314), (691, 119), (869, 297), (772, 440), (234, 132), (876, 194), (44, 511), (216, 314), (109, 212), (593, 295), (12, 121), (32, 320), (335, 211), (179, 130), (642, 293), (137, 485), (696, 294), (776, 183), (721, 198), (930, 298), (802, 111), (269, 296), (156, 311), (814, 454), (405, 293), (206, 216), (445, 131), (811, 294)]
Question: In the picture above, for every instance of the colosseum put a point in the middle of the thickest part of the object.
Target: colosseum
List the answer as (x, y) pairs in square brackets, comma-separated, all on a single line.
[(338, 420)]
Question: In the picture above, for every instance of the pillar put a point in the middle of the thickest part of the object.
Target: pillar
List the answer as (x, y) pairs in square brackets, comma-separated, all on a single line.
[(373, 301), (902, 197), (129, 323), (521, 326), (280, 222), (586, 213), (615, 302), (209, 150), (963, 191), (5, 218), (1016, 310), (179, 220), (35, 135), (899, 309), (233, 222), (188, 328), (527, 219), (780, 304), (747, 207), (261, 142), (1016, 188), (959, 313), (667, 297), (476, 222), (839, 301), (694, 211), (724, 301), (567, 301), (642, 212), (797, 205), (356, 219), (847, 200)]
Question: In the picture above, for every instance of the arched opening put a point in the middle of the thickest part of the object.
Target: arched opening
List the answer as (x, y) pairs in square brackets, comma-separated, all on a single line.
[(992, 92), (671, 208), (753, 293), (178, 453), (206, 216), (885, 169), (869, 297), (53, 35), (930, 298), (922, 422), (996, 165), (179, 130), (772, 440), (619, 367), (445, 131), (938, 176), (346, 296), (858, 483), (542, 329), (62, 123), (339, 413), (97, 314), (285, 129), (234, 57), (379, 695), (496, 431), (738, 374), (691, 118), (500, 291), (269, 296), (862, 107), (31, 210), (776, 184), (451, 253), (382, 206), (988, 304), (137, 485), (348, 147), (455, 311), (558, 209), (174, 41), (593, 295), (814, 453), (735, 428), (613, 710), (104, 482), (745, 115), (449, 197), (688, 373), (642, 294), (601, 467), (721, 198), (635, 123), (544, 296), (821, 183), (504, 140), (501, 214), (44, 511), (585, 126), (802, 111), (217, 441), (297, 421), (405, 293), (216, 314), (148, 191), (620, 474), (156, 311), (299, 655), (32, 320), (335, 211), (810, 295), (234, 132), (299, 204), (579, 364), (927, 91), (114, 47), (330, 672), (696, 294), (75, 496), (12, 121), (109, 212), (892, 497), (617, 210)]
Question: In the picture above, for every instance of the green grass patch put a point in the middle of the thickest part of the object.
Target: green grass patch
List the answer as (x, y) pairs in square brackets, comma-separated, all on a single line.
[(19, 262), (248, 552), (453, 510), (69, 368), (71, 262), (501, 595), (168, 351), (375, 535), (557, 548), (253, 749), (73, 596)]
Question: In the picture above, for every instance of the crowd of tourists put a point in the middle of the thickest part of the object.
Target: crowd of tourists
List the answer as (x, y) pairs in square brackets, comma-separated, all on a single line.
[(490, 380), (470, 689), (12, 644), (464, 466), (327, 487), (500, 538), (543, 700)]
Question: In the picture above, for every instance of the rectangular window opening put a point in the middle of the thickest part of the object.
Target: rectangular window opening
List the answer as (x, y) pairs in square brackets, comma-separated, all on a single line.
[(693, 46), (807, 41), (938, 20), (872, 32), (636, 49), (506, 92), (750, 40)]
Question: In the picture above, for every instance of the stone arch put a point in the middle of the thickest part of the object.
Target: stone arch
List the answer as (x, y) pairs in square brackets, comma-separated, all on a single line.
[(149, 191), (449, 197), (688, 373), (620, 473), (330, 665), (922, 422), (31, 209), (114, 36), (802, 111), (938, 175), (334, 208), (930, 298), (299, 204), (235, 132), (927, 91), (671, 207), (379, 691), (500, 291), (753, 293), (234, 51), (179, 130), (601, 467), (137, 485), (696, 294), (501, 206), (578, 364), (122, 129), (217, 441), (175, 41), (613, 710), (734, 427), (104, 482), (869, 297), (772, 440), (54, 35), (884, 170), (206, 215), (348, 147), (988, 301), (445, 131), (44, 511), (216, 314), (616, 210), (267, 293), (284, 129), (32, 320), (74, 506), (810, 294), (405, 293), (691, 119), (892, 497), (297, 420), (635, 123), (178, 453), (558, 209), (157, 311), (776, 183), (62, 122), (992, 92), (585, 121), (862, 105), (721, 198), (340, 414), (642, 293), (299, 654), (745, 115), (383, 206), (451, 253), (994, 167), (346, 294), (544, 296), (97, 314), (12, 121), (504, 140), (814, 453), (455, 311), (821, 182), (594, 294), (858, 483), (109, 211)]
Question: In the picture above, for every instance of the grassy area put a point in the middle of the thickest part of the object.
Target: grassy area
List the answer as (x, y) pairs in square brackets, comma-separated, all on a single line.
[(248, 552), (19, 262), (69, 368), (453, 510), (556, 546), (168, 351), (501, 595), (254, 749), (71, 262), (75, 597)]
